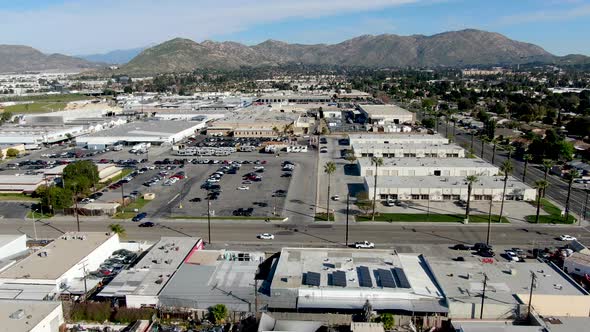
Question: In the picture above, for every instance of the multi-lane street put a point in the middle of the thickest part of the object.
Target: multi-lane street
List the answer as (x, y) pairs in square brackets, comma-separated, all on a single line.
[(385, 235)]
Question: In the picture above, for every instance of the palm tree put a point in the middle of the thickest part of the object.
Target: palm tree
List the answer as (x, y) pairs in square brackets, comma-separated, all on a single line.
[(527, 157), (471, 179), (506, 168), (484, 140), (540, 185), (329, 168), (510, 149), (571, 176), (117, 229), (350, 157), (547, 165), (495, 145), (378, 162)]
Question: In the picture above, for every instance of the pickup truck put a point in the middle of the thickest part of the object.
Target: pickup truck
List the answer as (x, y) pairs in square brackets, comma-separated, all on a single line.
[(364, 245)]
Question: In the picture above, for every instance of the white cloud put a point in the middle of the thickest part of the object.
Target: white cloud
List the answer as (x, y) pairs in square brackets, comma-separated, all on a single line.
[(89, 26), (547, 15)]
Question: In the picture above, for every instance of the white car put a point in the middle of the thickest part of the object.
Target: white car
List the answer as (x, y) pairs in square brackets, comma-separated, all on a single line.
[(335, 197), (511, 255), (566, 237), (258, 167), (265, 236), (364, 245), (212, 180), (243, 188)]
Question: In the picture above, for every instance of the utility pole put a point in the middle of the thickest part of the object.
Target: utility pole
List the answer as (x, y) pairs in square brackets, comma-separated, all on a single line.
[(483, 295), (255, 295), (76, 208), (209, 217), (34, 224), (347, 212), (533, 278), (489, 222), (122, 194), (585, 202), (472, 138)]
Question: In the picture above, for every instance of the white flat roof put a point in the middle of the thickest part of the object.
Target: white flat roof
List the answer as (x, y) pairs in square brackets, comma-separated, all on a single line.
[(34, 313), (9, 238), (392, 137), (404, 145), (486, 182), (62, 254), (21, 179), (429, 162), (384, 110), (153, 271)]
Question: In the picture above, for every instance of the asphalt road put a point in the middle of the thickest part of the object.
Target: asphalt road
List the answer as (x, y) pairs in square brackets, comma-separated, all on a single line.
[(384, 235), (557, 190)]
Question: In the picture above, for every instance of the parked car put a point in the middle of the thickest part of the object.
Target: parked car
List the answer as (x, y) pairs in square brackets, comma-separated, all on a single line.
[(460, 246), (566, 237), (243, 188), (147, 224)]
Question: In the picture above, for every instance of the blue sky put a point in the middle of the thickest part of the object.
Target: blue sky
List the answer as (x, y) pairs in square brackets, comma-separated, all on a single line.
[(91, 26)]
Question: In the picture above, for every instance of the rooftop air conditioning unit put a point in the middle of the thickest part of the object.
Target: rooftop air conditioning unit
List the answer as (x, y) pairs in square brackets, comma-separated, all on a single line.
[(19, 314)]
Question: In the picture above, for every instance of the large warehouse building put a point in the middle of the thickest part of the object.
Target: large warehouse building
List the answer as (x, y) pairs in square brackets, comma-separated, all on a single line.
[(337, 280), (383, 114), (428, 166), (407, 150), (397, 138), (447, 188), (154, 132)]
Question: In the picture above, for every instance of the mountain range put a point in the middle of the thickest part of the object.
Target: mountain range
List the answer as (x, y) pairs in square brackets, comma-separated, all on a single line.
[(448, 49), (18, 58)]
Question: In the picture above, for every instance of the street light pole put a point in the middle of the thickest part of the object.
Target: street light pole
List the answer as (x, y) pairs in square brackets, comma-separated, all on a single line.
[(483, 295), (347, 211), (533, 278), (209, 217)]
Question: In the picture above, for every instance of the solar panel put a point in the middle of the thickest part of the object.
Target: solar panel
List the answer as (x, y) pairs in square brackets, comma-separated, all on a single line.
[(400, 278), (364, 276), (312, 279), (386, 278), (339, 278)]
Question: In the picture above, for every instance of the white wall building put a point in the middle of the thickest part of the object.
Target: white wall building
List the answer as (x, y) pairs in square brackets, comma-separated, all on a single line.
[(407, 150), (12, 245), (62, 263), (447, 188), (30, 316), (578, 264), (38, 134), (397, 138), (382, 114), (428, 166)]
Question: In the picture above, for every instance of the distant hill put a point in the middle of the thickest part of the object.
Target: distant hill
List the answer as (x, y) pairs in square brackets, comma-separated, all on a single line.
[(455, 49), (113, 57), (18, 58)]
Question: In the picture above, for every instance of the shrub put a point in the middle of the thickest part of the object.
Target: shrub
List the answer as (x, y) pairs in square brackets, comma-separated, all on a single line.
[(218, 313), (129, 315), (91, 311)]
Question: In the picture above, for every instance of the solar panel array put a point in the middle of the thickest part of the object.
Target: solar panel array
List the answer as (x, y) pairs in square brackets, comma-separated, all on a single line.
[(400, 278), (386, 278), (339, 278), (312, 279), (364, 276)]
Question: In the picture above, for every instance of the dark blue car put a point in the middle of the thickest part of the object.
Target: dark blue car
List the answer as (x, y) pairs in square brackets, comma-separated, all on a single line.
[(139, 216)]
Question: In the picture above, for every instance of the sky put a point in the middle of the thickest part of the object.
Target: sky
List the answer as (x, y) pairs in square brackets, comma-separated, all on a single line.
[(96, 26)]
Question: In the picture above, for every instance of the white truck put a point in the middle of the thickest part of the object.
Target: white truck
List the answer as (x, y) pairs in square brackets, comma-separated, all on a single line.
[(364, 245)]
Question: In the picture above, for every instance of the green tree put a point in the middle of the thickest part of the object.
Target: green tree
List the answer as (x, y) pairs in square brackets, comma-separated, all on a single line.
[(527, 158), (378, 162), (80, 176), (484, 140), (118, 229), (128, 90), (54, 198), (506, 168), (218, 313), (12, 153), (350, 157), (494, 147), (428, 104), (387, 320), (573, 174), (471, 179), (428, 123), (540, 185), (329, 168), (547, 165), (363, 202)]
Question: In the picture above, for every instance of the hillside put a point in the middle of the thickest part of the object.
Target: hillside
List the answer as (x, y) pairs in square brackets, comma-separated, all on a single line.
[(457, 48), (113, 57), (18, 58)]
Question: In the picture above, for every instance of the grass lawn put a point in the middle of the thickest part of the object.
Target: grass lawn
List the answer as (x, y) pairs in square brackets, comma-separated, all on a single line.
[(17, 197), (129, 210), (554, 216), (50, 98), (36, 107), (323, 217), (38, 215), (225, 218), (415, 217)]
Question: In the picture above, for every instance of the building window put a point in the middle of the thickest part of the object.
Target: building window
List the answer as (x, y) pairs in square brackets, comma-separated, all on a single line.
[(437, 173), (425, 197), (393, 196), (456, 197), (383, 196), (446, 197), (416, 197)]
